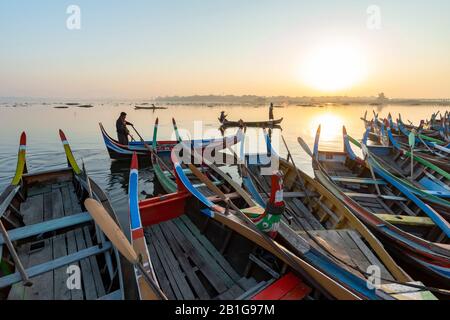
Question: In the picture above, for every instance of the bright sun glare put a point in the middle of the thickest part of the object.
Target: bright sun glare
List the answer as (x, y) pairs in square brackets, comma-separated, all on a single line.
[(333, 67), (331, 126)]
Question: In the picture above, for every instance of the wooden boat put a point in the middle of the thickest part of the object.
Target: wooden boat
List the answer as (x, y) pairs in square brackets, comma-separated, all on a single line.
[(190, 259), (153, 107), (425, 183), (119, 151), (61, 107), (214, 196), (86, 106), (440, 160), (412, 231), (61, 255), (252, 124), (433, 146), (428, 181), (341, 245)]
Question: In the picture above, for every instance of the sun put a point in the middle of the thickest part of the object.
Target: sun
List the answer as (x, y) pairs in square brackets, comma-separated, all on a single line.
[(333, 67)]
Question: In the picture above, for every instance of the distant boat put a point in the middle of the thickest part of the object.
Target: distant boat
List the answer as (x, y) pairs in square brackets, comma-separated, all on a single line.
[(153, 107), (304, 105), (61, 107), (72, 104), (85, 106)]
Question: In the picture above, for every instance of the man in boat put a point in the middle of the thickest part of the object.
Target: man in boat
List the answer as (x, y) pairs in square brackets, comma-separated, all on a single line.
[(271, 112), (222, 117), (122, 130)]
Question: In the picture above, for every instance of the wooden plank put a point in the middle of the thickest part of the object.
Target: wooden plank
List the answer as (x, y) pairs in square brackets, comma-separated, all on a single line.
[(368, 253), (94, 265), (90, 291), (47, 226), (40, 251), (355, 253), (306, 213), (62, 292), (186, 266), (76, 294), (264, 266), (160, 270), (198, 239), (358, 180), (369, 195), (33, 209), (89, 287), (232, 293), (170, 264), (210, 270), (407, 220)]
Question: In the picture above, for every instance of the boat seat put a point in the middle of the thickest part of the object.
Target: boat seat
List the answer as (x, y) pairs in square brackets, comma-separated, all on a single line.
[(357, 180), (47, 226), (406, 220), (374, 196), (254, 212)]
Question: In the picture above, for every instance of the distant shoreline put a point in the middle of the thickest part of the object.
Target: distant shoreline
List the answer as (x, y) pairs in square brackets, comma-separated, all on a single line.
[(250, 100)]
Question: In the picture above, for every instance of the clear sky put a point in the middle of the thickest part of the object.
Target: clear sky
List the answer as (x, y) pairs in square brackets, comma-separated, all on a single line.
[(140, 49)]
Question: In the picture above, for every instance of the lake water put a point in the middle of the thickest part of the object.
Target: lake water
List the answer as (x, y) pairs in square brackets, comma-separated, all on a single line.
[(44, 149)]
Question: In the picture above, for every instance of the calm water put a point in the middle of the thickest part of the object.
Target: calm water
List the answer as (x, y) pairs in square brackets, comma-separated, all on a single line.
[(44, 148)]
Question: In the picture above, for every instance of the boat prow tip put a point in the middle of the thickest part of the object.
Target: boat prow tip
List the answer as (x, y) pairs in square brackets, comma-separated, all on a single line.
[(62, 135), (23, 138)]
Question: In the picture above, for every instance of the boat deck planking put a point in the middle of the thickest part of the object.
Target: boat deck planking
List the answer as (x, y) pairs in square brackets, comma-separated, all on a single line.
[(44, 204), (347, 245), (195, 269)]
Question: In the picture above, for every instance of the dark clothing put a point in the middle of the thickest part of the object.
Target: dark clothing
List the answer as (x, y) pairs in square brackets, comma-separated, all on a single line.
[(122, 131), (271, 113)]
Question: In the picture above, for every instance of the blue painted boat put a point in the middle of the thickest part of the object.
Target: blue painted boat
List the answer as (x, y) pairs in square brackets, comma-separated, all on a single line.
[(412, 231), (59, 248)]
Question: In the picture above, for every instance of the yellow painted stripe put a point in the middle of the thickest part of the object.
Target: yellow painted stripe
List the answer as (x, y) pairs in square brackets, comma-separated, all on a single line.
[(20, 167), (71, 158)]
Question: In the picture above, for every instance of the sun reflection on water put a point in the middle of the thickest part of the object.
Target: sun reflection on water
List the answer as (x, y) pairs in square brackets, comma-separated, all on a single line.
[(331, 127)]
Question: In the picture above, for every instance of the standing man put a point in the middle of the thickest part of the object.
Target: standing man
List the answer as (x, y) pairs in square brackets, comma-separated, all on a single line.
[(122, 130), (271, 111)]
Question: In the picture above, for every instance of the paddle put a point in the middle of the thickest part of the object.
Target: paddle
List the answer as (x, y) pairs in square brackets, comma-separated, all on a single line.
[(18, 264), (119, 240), (279, 249), (305, 147)]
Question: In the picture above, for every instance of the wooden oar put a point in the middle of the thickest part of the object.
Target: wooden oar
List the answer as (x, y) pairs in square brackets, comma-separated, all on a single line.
[(119, 240), (286, 254), (17, 263)]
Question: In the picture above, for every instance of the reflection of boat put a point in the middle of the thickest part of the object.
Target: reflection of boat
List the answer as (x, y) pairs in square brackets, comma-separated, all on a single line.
[(50, 230), (255, 124), (412, 231)]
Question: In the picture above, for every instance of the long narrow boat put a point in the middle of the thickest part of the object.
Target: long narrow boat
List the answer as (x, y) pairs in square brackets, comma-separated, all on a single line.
[(442, 161), (251, 124), (428, 182), (340, 244), (201, 255), (227, 198), (411, 230), (432, 146), (51, 239), (119, 151)]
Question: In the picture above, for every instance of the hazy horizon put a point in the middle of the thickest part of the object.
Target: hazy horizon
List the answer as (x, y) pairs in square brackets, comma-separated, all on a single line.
[(144, 49)]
